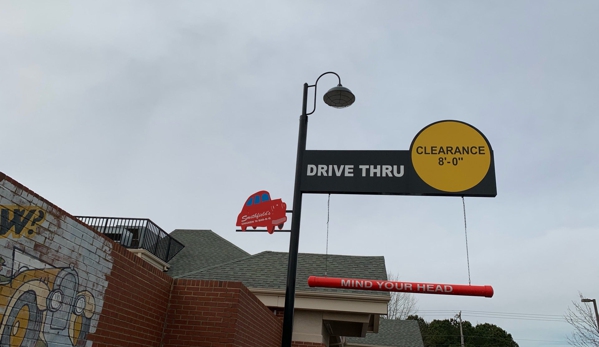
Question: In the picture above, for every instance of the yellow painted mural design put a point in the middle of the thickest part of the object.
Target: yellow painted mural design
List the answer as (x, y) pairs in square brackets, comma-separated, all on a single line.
[(43, 305)]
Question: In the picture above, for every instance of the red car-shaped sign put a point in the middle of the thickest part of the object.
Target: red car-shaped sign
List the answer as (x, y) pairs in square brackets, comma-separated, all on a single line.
[(260, 211)]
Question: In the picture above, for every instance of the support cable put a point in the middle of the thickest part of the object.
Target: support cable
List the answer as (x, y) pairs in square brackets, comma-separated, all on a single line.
[(466, 234), (326, 261)]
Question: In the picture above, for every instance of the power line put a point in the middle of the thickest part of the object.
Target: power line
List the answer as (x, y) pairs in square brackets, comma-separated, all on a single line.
[(466, 234), (493, 312), (500, 315), (550, 341), (506, 315)]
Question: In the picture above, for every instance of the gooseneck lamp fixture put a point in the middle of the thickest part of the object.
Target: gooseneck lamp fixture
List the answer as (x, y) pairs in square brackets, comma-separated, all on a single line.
[(338, 97)]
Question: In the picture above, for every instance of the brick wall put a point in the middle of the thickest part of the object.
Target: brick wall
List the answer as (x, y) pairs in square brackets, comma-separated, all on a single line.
[(135, 304), (256, 324), (215, 313), (307, 344)]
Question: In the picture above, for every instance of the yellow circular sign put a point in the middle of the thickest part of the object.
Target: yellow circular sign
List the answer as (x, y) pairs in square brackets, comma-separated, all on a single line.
[(451, 156)]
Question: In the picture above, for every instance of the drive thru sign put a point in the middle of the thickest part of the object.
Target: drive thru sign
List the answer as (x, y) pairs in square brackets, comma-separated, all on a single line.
[(446, 158)]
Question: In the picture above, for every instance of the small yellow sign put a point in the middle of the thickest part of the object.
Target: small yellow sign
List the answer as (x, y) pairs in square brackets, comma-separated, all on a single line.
[(451, 156)]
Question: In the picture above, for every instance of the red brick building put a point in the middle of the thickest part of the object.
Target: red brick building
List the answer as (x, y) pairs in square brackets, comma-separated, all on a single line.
[(66, 283)]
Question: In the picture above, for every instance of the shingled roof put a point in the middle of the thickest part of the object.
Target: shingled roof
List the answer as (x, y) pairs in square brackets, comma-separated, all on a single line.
[(208, 256), (268, 270), (392, 333), (203, 249)]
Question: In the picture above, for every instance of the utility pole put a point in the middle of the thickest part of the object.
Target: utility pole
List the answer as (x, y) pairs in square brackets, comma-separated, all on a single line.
[(594, 305), (459, 315)]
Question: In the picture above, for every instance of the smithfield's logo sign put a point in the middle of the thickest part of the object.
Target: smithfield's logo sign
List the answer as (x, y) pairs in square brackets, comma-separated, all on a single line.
[(260, 210), (446, 158)]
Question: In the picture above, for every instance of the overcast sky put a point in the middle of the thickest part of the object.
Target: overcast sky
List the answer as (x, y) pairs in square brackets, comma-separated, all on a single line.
[(178, 111)]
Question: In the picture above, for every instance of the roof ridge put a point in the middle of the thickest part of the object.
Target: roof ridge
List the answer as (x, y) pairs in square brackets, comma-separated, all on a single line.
[(347, 255), (334, 255), (221, 264), (214, 233)]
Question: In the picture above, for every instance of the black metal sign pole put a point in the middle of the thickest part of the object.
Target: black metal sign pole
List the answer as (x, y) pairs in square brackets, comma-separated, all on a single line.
[(295, 226), (338, 97)]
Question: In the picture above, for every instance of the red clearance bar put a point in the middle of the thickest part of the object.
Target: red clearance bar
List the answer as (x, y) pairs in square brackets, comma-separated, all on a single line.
[(406, 287)]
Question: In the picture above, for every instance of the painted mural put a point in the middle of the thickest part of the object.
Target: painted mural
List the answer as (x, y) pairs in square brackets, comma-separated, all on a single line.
[(44, 305), (52, 275)]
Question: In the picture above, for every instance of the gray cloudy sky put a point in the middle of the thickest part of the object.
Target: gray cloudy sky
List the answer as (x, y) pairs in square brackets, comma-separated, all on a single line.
[(178, 111)]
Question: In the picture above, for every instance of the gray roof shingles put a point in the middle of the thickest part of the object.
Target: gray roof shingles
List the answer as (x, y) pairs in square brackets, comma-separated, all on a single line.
[(203, 248), (208, 256), (392, 333), (268, 270)]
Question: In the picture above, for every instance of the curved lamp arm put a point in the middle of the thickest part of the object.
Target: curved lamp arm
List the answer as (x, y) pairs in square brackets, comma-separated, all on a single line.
[(315, 88)]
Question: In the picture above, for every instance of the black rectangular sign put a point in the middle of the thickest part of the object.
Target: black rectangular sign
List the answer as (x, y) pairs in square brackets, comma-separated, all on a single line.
[(375, 172)]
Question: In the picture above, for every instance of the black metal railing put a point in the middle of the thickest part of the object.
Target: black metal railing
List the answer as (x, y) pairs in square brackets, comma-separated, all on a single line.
[(136, 233)]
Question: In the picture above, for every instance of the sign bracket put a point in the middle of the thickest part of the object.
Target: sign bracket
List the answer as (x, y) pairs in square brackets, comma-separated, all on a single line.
[(261, 230)]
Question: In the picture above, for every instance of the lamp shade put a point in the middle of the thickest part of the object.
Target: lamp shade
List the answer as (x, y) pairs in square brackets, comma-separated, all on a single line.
[(339, 97)]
